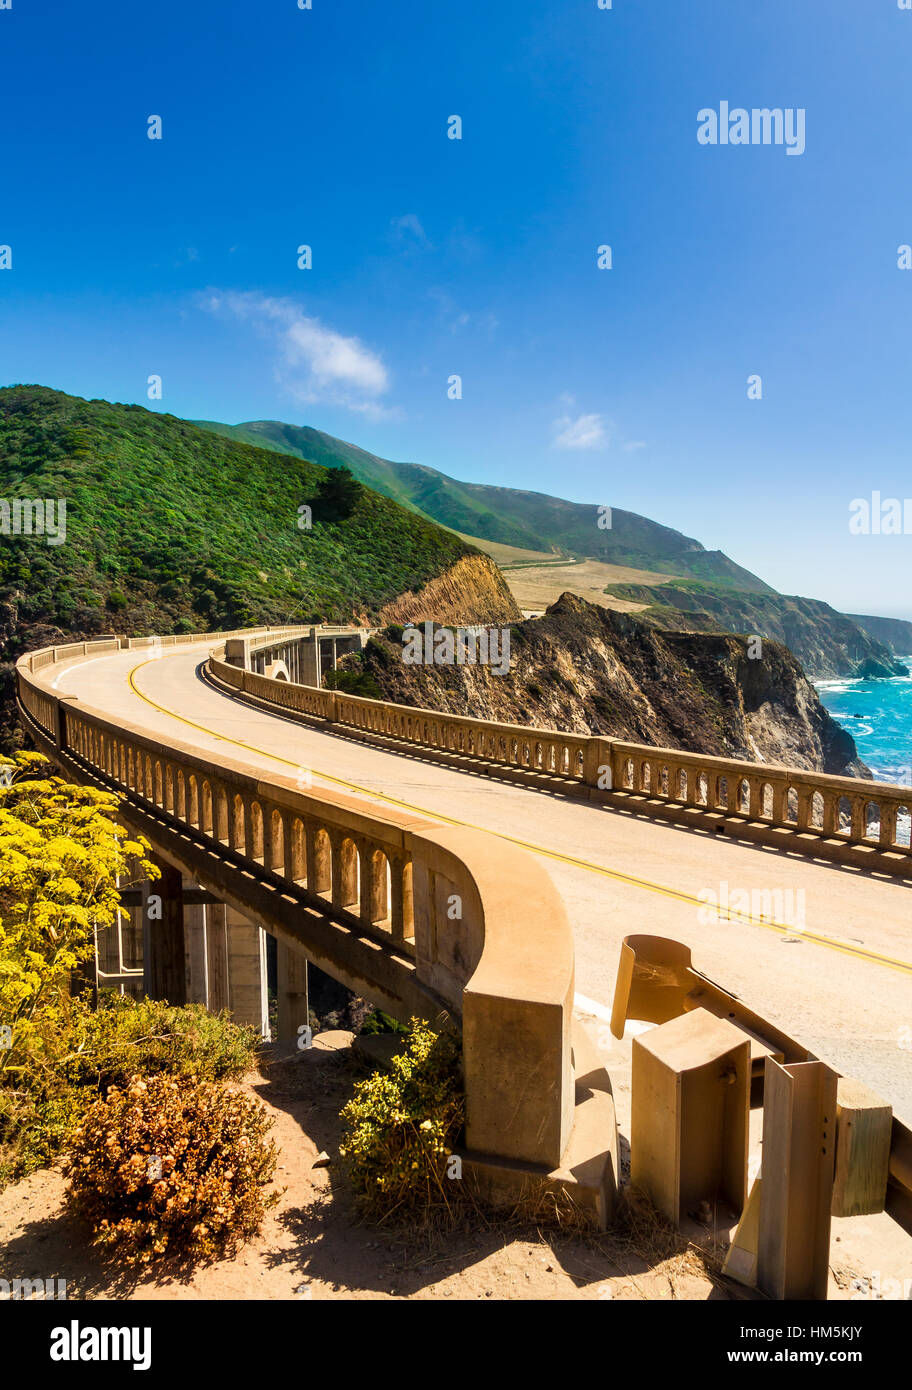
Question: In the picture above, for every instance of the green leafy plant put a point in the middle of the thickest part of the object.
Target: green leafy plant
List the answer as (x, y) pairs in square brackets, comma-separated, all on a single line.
[(166, 1168), (353, 683), (379, 1022), (125, 1037), (400, 1128)]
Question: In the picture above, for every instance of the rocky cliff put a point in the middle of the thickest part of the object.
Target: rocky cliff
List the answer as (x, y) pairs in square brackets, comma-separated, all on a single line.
[(473, 590), (894, 633), (585, 668), (826, 643)]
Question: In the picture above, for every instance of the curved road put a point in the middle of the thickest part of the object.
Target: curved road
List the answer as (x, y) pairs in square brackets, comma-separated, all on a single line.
[(847, 995)]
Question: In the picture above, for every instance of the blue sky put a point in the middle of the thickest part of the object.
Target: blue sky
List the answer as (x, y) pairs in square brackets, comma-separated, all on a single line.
[(477, 257)]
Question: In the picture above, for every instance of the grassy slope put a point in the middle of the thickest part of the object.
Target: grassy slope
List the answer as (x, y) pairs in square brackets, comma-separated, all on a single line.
[(169, 526), (531, 520)]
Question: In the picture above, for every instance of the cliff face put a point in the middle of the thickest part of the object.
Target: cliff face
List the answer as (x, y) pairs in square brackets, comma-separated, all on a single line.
[(826, 643), (472, 590), (590, 670), (894, 633)]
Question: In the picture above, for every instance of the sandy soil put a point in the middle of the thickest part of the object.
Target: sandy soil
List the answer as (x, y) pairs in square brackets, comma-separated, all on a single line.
[(313, 1247)]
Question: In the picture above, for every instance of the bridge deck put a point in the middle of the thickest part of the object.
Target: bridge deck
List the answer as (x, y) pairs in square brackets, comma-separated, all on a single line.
[(617, 873)]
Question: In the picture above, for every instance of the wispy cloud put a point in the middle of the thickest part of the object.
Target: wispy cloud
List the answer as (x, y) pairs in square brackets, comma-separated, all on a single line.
[(455, 318), (583, 432), (314, 363), (408, 230)]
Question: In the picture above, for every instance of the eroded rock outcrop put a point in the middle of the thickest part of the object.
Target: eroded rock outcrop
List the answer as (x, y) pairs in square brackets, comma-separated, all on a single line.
[(472, 590)]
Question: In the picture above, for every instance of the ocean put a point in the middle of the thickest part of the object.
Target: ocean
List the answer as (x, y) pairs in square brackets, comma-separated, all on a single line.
[(878, 715)]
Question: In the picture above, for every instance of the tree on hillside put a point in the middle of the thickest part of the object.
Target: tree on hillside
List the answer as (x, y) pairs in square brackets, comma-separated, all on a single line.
[(337, 494)]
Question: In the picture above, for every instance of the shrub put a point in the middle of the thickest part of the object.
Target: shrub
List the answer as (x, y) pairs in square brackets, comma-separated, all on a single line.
[(379, 1022), (34, 1129), (126, 1037), (400, 1127), (61, 855), (170, 1168), (353, 683), (81, 1052)]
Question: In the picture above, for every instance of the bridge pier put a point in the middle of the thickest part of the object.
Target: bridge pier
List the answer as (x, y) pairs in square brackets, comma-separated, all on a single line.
[(164, 947), (248, 999), (210, 954), (291, 992)]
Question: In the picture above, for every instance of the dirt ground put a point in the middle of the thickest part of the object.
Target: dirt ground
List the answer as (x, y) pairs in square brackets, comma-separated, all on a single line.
[(537, 586), (313, 1247)]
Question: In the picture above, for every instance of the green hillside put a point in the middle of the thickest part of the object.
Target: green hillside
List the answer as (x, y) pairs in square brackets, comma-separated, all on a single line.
[(532, 520), (170, 527)]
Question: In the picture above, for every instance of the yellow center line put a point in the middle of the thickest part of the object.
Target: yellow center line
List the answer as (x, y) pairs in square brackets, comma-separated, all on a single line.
[(727, 914)]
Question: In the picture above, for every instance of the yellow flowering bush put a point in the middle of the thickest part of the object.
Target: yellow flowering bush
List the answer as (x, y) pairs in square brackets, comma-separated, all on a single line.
[(400, 1128), (61, 852), (172, 1167)]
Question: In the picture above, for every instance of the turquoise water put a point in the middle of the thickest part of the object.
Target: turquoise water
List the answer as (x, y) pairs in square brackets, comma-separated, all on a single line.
[(878, 715)]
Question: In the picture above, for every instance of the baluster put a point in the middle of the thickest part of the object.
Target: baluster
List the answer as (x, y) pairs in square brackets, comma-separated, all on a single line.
[(887, 823), (830, 813), (859, 819)]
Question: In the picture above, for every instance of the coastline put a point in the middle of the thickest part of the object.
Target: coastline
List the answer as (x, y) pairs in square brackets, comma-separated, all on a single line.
[(878, 715)]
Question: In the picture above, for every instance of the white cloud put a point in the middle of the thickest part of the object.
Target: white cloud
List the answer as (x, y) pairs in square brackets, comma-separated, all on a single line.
[(633, 444), (314, 362), (584, 432), (407, 227)]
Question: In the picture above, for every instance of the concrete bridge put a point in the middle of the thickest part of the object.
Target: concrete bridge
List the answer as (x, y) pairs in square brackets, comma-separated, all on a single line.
[(435, 864)]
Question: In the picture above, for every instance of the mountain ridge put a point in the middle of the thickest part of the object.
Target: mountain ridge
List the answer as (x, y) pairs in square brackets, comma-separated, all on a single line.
[(714, 594), (533, 520)]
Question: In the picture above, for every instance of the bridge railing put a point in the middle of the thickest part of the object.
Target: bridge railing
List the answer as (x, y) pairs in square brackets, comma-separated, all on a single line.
[(767, 798), (850, 809), (441, 916), (508, 745)]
